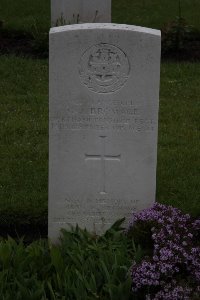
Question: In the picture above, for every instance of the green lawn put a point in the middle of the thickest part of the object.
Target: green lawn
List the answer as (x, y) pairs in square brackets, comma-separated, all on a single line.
[(178, 176), (24, 138), (23, 14), (24, 114), (154, 13)]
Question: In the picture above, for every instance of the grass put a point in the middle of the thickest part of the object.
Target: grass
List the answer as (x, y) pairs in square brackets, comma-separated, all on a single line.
[(179, 137), (24, 113), (24, 138), (154, 13), (23, 14)]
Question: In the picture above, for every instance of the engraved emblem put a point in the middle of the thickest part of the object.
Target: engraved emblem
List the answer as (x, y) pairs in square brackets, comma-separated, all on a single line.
[(104, 68)]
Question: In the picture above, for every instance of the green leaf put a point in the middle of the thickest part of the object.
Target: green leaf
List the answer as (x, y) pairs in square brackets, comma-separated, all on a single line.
[(57, 259)]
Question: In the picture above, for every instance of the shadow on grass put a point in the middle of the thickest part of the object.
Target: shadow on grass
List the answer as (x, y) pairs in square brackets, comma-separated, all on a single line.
[(31, 229), (24, 44), (36, 45)]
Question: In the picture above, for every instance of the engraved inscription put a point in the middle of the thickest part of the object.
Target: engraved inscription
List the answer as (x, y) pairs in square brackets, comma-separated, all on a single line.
[(136, 125), (105, 115), (104, 68), (103, 158), (95, 209)]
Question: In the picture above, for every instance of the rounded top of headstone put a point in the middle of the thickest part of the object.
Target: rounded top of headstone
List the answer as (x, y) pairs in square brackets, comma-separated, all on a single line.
[(102, 26)]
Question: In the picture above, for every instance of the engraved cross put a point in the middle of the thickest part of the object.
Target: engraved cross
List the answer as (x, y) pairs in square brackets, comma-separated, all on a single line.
[(103, 158)]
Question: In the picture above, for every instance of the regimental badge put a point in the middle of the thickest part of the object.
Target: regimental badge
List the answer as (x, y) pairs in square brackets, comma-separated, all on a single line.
[(104, 68)]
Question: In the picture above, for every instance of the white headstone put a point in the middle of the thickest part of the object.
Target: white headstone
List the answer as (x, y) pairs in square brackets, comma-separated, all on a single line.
[(104, 97), (65, 12)]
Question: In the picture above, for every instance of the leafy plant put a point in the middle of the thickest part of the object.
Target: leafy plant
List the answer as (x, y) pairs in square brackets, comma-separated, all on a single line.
[(114, 266), (83, 266), (177, 33)]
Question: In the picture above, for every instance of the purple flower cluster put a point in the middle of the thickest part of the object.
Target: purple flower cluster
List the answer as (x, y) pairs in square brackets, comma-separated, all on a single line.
[(173, 271), (172, 291)]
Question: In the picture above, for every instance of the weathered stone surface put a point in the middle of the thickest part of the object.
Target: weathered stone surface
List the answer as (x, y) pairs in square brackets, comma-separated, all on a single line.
[(64, 12), (104, 96)]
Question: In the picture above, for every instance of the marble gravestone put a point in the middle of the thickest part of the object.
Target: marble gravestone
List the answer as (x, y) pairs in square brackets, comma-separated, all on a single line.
[(104, 97), (65, 12)]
